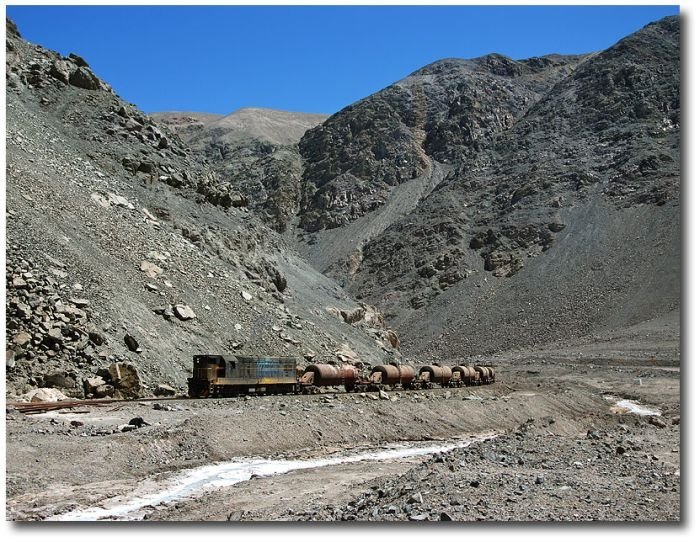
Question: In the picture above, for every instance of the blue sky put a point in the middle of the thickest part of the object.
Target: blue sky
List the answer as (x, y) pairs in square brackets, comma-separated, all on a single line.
[(303, 58)]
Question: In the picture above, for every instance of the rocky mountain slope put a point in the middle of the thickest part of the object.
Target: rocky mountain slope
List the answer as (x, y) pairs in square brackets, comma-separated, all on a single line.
[(255, 150), (242, 127), (541, 201), (125, 252), (444, 112)]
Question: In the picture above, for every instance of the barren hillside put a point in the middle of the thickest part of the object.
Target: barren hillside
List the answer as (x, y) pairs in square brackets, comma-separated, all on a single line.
[(123, 246)]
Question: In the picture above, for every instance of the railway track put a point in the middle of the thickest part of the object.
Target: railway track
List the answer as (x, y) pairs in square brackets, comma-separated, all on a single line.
[(46, 406)]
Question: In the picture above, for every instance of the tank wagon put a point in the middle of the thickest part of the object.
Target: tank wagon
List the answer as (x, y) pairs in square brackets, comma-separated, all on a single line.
[(435, 375), (467, 375), (221, 376), (322, 374), (486, 374), (393, 375)]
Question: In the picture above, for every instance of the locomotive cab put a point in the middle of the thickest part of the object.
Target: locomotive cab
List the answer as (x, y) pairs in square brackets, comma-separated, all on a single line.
[(205, 370)]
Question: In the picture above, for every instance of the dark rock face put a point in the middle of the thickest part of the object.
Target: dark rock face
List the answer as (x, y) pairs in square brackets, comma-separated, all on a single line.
[(447, 111)]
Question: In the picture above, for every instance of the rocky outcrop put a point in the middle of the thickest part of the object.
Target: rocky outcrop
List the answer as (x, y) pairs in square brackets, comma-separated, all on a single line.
[(445, 112), (255, 154)]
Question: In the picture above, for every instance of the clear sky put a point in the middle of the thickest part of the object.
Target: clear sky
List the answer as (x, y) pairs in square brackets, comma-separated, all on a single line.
[(303, 58)]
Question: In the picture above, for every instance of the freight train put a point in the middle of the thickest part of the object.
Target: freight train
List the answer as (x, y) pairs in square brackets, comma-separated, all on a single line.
[(226, 376)]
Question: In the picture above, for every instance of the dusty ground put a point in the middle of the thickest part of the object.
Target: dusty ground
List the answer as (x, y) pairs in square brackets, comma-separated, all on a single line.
[(563, 452)]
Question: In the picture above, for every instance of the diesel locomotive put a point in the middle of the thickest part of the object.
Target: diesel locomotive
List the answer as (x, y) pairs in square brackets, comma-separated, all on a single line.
[(216, 375)]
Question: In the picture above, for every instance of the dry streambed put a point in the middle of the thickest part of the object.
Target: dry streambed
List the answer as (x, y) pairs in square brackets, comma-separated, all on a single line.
[(221, 475)]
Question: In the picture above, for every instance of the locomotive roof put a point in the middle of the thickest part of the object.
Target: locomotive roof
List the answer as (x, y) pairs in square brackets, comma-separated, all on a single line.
[(232, 357)]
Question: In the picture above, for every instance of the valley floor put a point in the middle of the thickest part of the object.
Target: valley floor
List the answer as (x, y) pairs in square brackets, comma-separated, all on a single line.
[(562, 449)]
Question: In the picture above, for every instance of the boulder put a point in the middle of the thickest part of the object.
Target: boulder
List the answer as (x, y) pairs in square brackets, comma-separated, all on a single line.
[(54, 336), (60, 69), (9, 359), (183, 312), (138, 422), (97, 337), (131, 343), (151, 269), (125, 379), (78, 60), (147, 167), (90, 385), (43, 395), (22, 338), (103, 391), (103, 202), (280, 281), (353, 316), (132, 125), (164, 390), (120, 201), (84, 78), (19, 282)]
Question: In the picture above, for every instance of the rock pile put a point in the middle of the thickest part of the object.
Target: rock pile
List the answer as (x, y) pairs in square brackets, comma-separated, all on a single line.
[(46, 321), (49, 327)]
